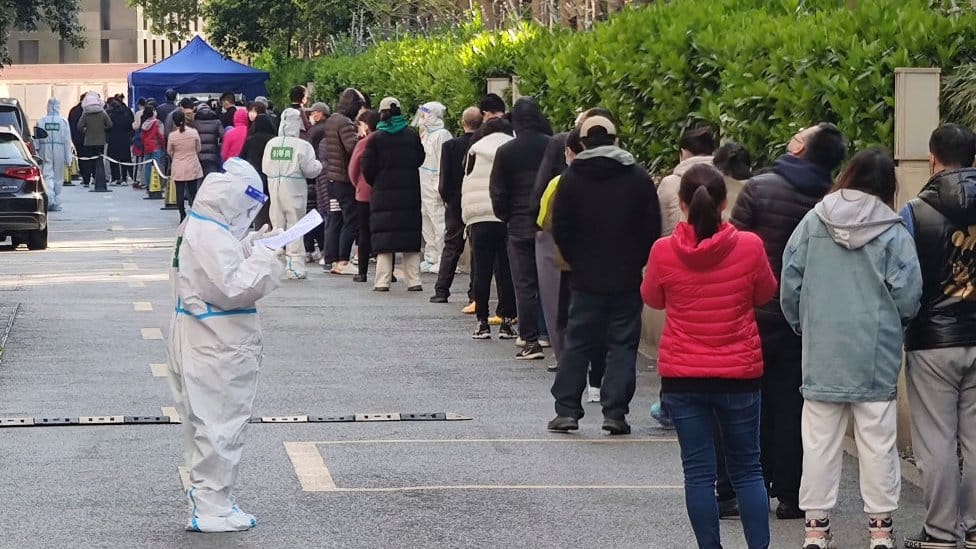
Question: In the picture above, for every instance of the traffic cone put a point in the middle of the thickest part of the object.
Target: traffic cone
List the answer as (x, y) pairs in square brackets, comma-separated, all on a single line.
[(155, 184), (170, 196)]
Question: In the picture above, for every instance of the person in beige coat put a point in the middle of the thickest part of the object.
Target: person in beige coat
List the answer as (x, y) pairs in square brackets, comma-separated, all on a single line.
[(183, 146), (697, 146)]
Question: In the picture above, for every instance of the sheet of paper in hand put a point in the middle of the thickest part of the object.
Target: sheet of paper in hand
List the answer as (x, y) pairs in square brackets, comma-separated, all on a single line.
[(311, 220)]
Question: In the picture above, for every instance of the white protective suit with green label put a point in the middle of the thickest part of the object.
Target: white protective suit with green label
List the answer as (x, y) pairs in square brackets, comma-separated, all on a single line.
[(288, 162), (55, 149), (214, 347), (430, 120)]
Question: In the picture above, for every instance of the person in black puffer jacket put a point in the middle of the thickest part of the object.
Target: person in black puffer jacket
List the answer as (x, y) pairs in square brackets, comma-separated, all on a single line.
[(772, 205), (207, 123), (391, 165), (261, 131), (512, 182), (119, 140)]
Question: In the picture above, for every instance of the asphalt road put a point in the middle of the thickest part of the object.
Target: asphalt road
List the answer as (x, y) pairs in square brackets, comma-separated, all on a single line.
[(78, 348)]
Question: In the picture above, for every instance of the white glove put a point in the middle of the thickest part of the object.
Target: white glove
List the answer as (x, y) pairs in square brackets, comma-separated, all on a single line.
[(247, 243)]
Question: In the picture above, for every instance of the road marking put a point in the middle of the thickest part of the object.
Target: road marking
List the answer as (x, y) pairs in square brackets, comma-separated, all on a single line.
[(314, 476), (114, 219), (310, 468), (152, 333), (142, 306), (159, 370), (174, 416), (117, 228), (136, 284), (184, 477), (130, 267)]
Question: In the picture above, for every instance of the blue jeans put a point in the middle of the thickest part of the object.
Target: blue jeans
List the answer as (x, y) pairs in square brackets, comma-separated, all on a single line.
[(694, 415)]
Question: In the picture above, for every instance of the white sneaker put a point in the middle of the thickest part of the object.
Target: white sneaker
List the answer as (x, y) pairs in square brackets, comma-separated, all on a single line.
[(544, 343), (519, 342), (317, 256), (295, 275), (348, 269), (592, 394)]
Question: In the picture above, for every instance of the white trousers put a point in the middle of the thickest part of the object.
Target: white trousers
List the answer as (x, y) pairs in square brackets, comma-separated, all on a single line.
[(384, 269), (824, 425), (54, 179), (289, 198), (213, 375), (432, 212)]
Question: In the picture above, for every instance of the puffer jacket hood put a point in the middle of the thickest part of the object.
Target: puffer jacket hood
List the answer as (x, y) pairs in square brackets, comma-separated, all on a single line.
[(92, 99), (148, 124), (612, 152), (224, 197), (291, 123), (204, 112), (53, 107), (707, 253), (805, 176), (240, 118), (854, 218), (953, 194), (93, 109)]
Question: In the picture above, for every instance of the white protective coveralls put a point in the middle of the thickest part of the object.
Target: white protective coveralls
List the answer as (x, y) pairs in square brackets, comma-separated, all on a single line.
[(430, 120), (55, 149), (288, 162), (214, 348)]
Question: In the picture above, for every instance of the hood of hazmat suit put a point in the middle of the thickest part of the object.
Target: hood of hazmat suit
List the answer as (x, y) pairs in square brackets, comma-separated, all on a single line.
[(215, 342)]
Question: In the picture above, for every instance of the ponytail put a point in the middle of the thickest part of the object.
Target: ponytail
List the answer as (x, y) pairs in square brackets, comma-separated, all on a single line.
[(703, 191), (179, 120)]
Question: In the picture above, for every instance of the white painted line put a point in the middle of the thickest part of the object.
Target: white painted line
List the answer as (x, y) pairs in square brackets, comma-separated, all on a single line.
[(142, 306), (136, 284), (152, 333), (174, 416), (130, 267), (117, 228), (563, 440), (159, 370), (511, 487), (114, 219), (309, 466), (184, 477)]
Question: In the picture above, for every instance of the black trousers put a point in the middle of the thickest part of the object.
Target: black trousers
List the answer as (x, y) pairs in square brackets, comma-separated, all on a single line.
[(782, 407), (453, 248), (364, 238), (614, 320), (342, 227), (264, 215), (185, 190), (598, 359), (488, 245), (521, 254), (87, 167), (120, 172)]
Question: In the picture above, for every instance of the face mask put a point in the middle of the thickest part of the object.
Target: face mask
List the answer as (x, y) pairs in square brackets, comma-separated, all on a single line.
[(251, 115)]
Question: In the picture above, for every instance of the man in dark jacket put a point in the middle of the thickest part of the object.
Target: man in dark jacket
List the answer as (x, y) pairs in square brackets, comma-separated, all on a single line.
[(512, 181), (772, 205), (227, 109), (941, 340), (342, 225), (77, 136), (207, 123), (453, 154), (167, 108), (317, 115), (605, 217)]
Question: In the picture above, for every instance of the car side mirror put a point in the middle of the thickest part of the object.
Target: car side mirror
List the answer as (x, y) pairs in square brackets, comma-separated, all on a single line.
[(38, 159), (40, 133)]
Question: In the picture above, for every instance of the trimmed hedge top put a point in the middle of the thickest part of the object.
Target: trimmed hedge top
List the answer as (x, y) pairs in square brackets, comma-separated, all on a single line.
[(756, 69)]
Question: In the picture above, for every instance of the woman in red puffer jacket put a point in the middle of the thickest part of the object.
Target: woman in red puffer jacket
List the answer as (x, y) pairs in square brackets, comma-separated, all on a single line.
[(708, 277)]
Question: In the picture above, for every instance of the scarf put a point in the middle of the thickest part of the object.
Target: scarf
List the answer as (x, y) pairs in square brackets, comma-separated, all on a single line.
[(395, 124)]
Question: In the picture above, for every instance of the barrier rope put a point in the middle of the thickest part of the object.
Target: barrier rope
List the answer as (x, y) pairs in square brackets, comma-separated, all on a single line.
[(110, 159)]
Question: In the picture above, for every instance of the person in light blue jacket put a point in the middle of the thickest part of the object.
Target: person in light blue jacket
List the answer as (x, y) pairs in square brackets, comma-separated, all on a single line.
[(850, 283)]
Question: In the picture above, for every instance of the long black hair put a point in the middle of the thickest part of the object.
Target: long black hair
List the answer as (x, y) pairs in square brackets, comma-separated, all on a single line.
[(733, 160), (179, 120), (703, 191), (148, 112), (871, 171)]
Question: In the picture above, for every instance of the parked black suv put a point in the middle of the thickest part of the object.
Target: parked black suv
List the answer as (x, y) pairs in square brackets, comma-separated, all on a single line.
[(23, 197), (12, 114)]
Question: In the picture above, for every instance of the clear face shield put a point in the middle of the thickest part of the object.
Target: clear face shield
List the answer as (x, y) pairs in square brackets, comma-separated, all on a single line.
[(241, 224)]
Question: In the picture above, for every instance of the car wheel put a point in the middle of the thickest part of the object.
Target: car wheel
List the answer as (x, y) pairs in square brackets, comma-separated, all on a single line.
[(37, 240)]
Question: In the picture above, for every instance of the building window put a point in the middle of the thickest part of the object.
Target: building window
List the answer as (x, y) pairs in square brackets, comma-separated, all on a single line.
[(145, 23), (145, 50), (29, 52), (105, 50), (66, 52), (154, 52), (105, 11)]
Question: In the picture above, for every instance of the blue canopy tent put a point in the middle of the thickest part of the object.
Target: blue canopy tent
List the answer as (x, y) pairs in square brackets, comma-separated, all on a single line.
[(196, 68)]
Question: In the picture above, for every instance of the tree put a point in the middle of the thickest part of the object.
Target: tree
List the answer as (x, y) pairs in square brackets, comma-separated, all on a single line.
[(27, 15)]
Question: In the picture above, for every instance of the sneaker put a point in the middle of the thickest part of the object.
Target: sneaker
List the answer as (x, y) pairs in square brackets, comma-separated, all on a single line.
[(728, 509), (520, 342), (817, 534), (544, 343), (295, 275), (469, 309), (359, 278), (381, 288), (616, 426), (505, 330), (317, 256), (925, 541), (971, 540), (531, 351), (495, 320), (428, 267), (552, 367), (483, 331), (787, 510), (347, 269), (417, 288), (882, 533), (662, 417), (563, 424), (438, 299), (593, 394), (309, 258), (322, 263)]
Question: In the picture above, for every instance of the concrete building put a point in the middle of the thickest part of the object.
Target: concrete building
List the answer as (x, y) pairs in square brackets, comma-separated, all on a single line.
[(115, 33)]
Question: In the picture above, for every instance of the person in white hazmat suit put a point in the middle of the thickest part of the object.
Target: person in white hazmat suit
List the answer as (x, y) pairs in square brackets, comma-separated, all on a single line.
[(430, 121), (288, 162), (55, 150), (214, 348)]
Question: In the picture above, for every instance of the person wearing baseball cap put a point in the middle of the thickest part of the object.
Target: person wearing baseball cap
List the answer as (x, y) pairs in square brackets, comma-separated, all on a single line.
[(605, 213)]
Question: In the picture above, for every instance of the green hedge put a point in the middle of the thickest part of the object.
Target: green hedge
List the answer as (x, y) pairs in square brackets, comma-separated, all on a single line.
[(756, 69)]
